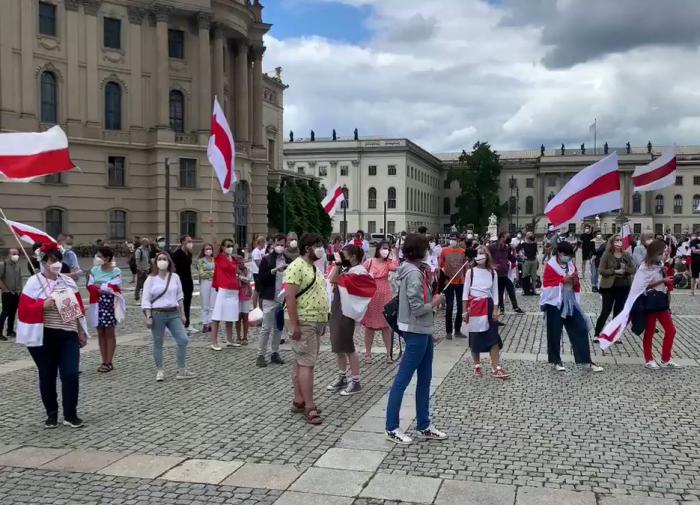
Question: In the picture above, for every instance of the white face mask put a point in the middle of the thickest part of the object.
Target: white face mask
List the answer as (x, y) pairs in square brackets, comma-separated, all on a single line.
[(453, 243), (189, 246), (564, 258), (15, 258), (162, 264), (319, 252), (384, 253), (208, 252), (229, 250), (480, 259), (161, 243), (292, 244), (469, 236), (279, 249), (519, 235), (97, 261), (55, 268), (599, 237)]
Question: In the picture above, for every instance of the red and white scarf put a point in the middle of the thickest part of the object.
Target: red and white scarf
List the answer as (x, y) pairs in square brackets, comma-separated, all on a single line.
[(113, 287), (553, 282)]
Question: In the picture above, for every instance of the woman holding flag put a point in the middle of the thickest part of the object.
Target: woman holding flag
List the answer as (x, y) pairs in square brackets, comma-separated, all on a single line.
[(616, 269)]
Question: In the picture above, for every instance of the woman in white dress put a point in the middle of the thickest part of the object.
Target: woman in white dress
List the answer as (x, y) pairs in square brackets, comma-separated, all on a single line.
[(225, 282)]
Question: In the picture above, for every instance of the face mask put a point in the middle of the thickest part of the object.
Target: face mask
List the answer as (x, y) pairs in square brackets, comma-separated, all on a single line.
[(161, 244), (384, 253), (292, 244), (319, 252), (67, 247), (470, 236), (599, 237), (519, 235), (229, 251), (189, 246), (480, 259), (649, 241), (55, 268), (98, 262), (208, 252), (432, 245), (162, 264), (279, 249), (564, 258), (15, 258)]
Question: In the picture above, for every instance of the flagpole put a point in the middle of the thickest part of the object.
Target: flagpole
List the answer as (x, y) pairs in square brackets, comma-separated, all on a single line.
[(595, 135), (211, 191), (19, 242)]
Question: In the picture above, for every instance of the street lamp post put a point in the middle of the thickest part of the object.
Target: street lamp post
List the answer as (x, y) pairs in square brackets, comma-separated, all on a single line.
[(167, 204), (345, 212), (384, 219), (283, 187)]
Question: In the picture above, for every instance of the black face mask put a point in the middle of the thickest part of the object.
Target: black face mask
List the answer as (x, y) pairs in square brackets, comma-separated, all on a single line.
[(346, 263)]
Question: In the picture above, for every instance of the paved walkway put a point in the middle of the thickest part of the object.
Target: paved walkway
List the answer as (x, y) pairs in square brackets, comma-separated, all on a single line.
[(627, 436)]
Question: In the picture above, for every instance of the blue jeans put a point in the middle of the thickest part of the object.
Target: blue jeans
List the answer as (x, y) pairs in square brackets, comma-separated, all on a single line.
[(594, 274), (59, 353), (172, 321), (418, 357)]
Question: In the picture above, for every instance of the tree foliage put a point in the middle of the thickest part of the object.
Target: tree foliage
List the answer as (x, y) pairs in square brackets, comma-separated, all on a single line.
[(304, 211), (478, 174)]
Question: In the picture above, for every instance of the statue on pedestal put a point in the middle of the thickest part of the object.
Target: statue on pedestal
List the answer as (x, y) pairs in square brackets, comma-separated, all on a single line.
[(542, 150), (649, 147), (313, 136), (628, 148), (356, 134), (291, 136), (335, 137), (583, 148), (562, 149), (605, 148), (493, 220)]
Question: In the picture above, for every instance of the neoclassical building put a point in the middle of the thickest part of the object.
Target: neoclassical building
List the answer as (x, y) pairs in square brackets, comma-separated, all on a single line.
[(132, 84)]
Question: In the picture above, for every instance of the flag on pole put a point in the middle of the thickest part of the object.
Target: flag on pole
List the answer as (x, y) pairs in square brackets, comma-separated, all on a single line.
[(221, 150), (26, 156), (332, 199), (658, 174), (626, 239), (356, 289), (594, 190), (29, 234)]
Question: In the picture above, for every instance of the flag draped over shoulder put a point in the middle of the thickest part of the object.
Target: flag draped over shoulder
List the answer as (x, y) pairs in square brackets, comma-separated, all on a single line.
[(656, 175), (113, 287), (29, 234), (332, 200), (356, 289), (221, 150), (25, 156), (594, 190)]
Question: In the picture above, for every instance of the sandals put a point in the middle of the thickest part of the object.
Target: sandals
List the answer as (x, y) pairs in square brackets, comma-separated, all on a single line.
[(368, 359), (312, 416), (244, 341), (298, 408), (105, 367)]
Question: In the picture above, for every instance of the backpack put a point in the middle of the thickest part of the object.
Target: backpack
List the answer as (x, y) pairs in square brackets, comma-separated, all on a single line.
[(391, 314)]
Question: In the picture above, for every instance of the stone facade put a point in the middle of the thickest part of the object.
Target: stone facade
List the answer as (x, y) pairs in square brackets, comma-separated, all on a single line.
[(132, 83)]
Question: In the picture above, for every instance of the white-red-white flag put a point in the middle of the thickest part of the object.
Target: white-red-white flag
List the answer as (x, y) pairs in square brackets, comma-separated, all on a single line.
[(626, 238), (658, 174), (594, 190), (332, 200), (29, 234), (221, 150), (356, 289), (26, 156)]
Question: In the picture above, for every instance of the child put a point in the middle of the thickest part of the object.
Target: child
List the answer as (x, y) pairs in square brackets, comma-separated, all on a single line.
[(245, 298)]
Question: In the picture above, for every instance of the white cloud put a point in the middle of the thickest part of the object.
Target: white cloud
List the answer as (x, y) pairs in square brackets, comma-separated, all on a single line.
[(446, 73)]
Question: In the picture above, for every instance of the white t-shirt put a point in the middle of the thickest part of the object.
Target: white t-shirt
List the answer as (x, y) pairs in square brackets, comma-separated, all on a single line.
[(257, 256), (155, 285)]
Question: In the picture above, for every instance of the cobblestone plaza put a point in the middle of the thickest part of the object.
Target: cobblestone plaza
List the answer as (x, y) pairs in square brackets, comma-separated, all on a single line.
[(628, 436)]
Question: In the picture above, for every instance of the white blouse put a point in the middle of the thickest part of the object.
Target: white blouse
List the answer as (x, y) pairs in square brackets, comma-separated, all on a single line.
[(480, 283), (155, 285)]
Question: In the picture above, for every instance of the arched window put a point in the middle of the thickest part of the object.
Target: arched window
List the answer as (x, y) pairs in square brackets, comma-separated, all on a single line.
[(113, 106), (49, 98), (529, 205), (446, 206), (512, 205), (372, 198), (54, 222), (188, 223), (678, 204), (696, 203), (177, 111), (636, 203), (391, 198), (117, 224), (659, 209)]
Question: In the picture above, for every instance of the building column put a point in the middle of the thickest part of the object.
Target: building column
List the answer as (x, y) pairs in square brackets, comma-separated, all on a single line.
[(7, 78), (73, 74), (205, 101), (217, 86), (136, 16), (92, 46), (28, 20), (258, 134), (542, 200), (162, 65), (241, 133)]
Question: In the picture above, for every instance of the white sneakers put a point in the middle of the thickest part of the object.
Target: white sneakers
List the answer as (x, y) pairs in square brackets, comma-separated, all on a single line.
[(182, 373), (651, 365), (215, 347), (595, 368), (430, 433), (160, 375), (559, 367)]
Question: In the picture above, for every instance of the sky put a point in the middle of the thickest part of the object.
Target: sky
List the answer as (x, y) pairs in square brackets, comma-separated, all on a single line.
[(514, 73)]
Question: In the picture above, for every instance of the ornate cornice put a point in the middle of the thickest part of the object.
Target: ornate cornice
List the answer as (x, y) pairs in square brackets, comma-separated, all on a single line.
[(334, 164), (204, 20), (162, 13), (257, 52), (92, 6), (72, 5), (136, 15)]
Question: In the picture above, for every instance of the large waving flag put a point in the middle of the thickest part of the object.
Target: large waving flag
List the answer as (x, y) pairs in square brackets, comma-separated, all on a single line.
[(26, 156), (29, 234), (221, 150), (332, 200), (658, 174), (356, 289), (594, 190)]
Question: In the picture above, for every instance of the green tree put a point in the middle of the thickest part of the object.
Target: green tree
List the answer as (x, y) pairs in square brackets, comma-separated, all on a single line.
[(304, 211), (478, 175)]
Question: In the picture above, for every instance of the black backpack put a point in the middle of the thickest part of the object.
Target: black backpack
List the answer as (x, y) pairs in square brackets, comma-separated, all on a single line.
[(391, 314)]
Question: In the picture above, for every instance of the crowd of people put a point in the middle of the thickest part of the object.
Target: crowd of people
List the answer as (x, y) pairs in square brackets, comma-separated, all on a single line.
[(294, 286)]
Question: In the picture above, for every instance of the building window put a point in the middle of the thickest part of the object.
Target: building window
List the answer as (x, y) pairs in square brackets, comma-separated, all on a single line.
[(512, 205), (658, 228), (551, 181), (115, 171), (696, 204), (529, 205), (188, 174), (176, 44), (696, 180), (343, 170), (47, 19), (113, 106), (49, 98), (659, 208), (391, 227), (637, 228), (177, 111), (696, 227), (391, 198), (372, 198), (323, 171), (446, 184), (112, 33), (54, 222), (188, 223), (392, 170), (679, 180), (372, 169), (301, 170), (678, 204), (572, 228), (636, 203), (272, 154), (549, 198), (54, 179), (677, 228), (324, 191), (117, 224), (345, 204), (529, 182), (446, 206), (371, 227)]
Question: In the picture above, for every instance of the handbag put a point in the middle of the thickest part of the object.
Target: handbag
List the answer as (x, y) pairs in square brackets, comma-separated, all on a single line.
[(655, 301)]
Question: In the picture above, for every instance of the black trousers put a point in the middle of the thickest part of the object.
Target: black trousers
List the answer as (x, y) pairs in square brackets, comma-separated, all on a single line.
[(452, 293), (140, 281), (576, 328), (505, 284), (60, 353), (187, 290), (613, 301), (10, 302)]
